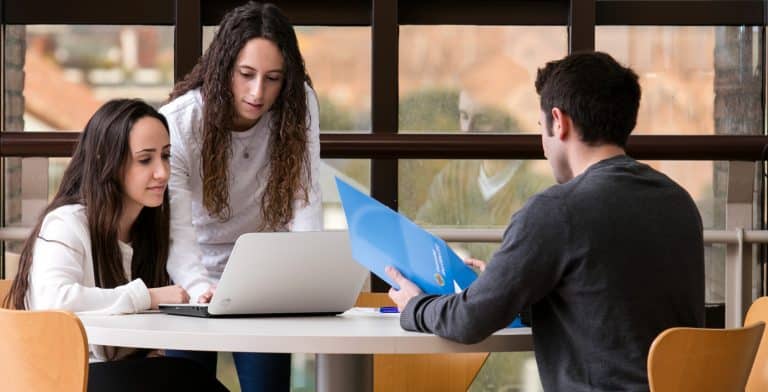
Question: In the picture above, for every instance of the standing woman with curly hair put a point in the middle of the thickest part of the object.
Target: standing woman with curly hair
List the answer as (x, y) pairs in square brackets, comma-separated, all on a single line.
[(245, 158)]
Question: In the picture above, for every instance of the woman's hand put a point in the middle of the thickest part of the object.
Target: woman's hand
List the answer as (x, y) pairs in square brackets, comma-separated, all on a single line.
[(207, 296), (167, 295)]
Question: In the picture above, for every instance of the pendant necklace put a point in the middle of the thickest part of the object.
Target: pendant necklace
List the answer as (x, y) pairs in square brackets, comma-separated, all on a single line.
[(245, 146)]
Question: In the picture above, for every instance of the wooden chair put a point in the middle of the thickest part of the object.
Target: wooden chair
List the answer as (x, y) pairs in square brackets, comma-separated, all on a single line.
[(758, 378), (420, 372), (42, 350), (703, 360)]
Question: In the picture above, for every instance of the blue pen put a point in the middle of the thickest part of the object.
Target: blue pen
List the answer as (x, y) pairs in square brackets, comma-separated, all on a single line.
[(388, 309)]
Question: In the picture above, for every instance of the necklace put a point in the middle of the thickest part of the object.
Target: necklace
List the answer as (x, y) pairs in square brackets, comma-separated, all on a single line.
[(245, 147)]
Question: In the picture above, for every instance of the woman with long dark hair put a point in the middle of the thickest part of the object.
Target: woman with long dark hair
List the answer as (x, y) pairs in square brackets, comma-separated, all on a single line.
[(245, 136), (101, 245)]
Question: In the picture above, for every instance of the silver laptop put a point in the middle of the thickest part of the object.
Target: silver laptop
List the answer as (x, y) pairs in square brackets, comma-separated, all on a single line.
[(281, 274)]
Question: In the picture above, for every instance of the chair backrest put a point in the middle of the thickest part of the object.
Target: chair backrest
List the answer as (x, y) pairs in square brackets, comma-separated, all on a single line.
[(703, 360), (758, 378), (42, 351), (373, 300)]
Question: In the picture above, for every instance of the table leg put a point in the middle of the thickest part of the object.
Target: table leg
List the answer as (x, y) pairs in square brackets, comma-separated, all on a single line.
[(344, 372)]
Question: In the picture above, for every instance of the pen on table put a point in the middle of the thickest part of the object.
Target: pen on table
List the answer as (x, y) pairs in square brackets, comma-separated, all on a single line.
[(388, 309)]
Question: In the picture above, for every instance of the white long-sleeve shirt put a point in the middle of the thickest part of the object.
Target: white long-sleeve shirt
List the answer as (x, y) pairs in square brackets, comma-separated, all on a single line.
[(61, 275), (201, 243)]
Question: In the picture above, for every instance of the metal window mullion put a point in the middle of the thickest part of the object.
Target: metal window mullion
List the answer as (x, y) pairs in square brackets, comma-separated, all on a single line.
[(2, 119), (679, 13), (384, 95), (763, 251), (345, 12), (581, 26), (388, 145), (90, 12), (188, 37)]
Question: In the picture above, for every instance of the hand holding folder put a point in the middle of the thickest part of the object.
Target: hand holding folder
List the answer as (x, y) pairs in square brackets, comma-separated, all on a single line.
[(380, 237)]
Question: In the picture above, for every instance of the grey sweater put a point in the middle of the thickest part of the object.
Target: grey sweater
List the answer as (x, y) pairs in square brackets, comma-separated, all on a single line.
[(606, 261)]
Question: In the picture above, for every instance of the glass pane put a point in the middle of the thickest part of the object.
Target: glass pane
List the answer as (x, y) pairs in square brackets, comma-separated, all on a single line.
[(354, 171), (11, 252), (26, 190), (469, 193), (508, 372), (341, 77), (473, 78), (58, 75), (695, 80)]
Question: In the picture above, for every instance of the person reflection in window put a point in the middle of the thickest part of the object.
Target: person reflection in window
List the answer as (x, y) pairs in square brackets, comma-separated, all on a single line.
[(480, 193)]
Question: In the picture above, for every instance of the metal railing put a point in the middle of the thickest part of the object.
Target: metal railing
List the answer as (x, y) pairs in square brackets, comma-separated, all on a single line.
[(736, 236)]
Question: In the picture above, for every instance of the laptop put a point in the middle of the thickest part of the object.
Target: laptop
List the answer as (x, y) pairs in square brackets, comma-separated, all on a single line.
[(284, 274)]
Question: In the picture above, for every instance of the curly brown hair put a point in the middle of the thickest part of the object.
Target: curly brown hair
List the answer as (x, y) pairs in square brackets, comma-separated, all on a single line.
[(289, 176)]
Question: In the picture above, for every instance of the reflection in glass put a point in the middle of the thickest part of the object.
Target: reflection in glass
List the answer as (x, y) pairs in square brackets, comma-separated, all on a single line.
[(60, 74), (469, 193), (695, 79), (352, 171), (483, 75)]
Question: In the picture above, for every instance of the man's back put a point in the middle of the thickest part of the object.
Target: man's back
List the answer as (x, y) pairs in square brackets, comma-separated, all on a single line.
[(633, 265)]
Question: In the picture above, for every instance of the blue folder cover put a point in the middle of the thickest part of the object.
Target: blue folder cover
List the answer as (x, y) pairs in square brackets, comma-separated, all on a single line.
[(380, 237)]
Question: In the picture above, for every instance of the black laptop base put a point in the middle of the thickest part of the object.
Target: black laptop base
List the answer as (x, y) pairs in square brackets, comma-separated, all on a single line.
[(202, 311)]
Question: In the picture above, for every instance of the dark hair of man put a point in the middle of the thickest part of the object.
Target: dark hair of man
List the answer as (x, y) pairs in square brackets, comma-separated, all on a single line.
[(600, 95), (94, 179), (288, 153)]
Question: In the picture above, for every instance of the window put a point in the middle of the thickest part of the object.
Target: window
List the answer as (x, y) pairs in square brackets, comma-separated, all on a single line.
[(700, 65)]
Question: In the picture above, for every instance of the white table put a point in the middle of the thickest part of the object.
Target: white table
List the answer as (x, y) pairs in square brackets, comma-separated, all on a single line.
[(345, 343)]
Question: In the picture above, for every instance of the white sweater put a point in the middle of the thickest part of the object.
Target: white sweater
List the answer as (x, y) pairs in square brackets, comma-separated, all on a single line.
[(61, 275), (200, 243)]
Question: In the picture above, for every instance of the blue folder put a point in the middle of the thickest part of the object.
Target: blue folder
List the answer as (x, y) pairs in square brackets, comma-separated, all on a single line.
[(380, 237)]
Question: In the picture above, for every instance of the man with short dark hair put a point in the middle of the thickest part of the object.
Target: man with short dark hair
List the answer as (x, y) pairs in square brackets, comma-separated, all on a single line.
[(608, 258)]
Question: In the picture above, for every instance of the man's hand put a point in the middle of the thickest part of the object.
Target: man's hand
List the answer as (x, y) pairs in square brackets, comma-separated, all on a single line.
[(207, 295), (407, 290), (475, 263), (167, 295)]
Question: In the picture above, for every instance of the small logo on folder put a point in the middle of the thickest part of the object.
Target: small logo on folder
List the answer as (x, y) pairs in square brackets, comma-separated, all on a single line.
[(439, 279)]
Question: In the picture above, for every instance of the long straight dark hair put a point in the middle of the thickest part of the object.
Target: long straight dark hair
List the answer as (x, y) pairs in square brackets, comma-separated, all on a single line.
[(289, 176), (94, 178)]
